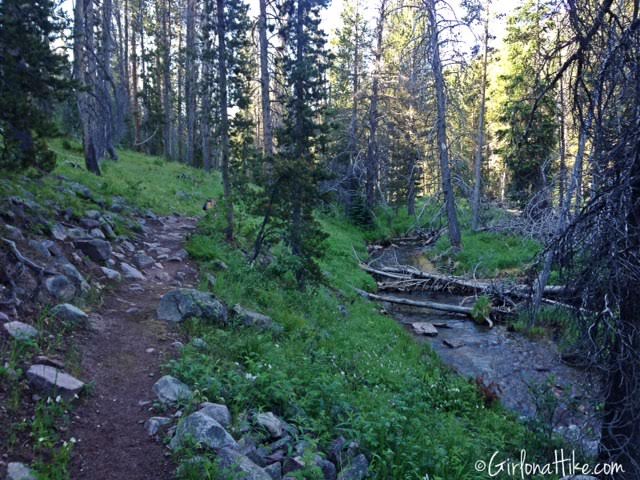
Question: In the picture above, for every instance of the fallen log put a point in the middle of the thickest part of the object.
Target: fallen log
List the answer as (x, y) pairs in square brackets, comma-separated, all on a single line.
[(442, 307)]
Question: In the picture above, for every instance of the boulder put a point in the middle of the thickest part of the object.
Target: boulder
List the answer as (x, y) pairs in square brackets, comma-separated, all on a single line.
[(74, 274), (97, 250), (20, 331), (60, 287), (240, 466), (171, 390), (424, 328), (254, 319), (59, 232), (19, 471), (271, 423), (274, 471), (51, 380), (204, 430), (111, 274), (220, 413), (356, 470), (131, 273), (143, 261), (328, 468), (69, 313), (184, 303)]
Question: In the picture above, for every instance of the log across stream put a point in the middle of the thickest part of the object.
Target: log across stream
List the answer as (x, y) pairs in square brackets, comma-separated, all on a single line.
[(514, 364)]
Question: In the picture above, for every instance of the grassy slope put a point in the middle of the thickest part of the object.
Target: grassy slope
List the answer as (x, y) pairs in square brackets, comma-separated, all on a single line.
[(359, 374)]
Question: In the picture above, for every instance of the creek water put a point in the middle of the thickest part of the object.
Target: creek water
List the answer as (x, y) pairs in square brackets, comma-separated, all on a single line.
[(528, 374)]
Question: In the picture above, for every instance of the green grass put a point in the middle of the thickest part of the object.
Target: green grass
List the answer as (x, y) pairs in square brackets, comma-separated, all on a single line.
[(486, 254)]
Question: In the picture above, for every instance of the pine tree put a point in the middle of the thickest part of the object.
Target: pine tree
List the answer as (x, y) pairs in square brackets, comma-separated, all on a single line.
[(32, 77)]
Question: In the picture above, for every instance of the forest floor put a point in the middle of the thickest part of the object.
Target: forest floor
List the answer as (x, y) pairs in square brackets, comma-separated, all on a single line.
[(122, 355)]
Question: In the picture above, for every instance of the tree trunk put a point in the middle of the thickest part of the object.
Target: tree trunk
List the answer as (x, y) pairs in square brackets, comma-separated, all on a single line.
[(190, 80), (135, 101), (441, 125), (477, 187), (267, 133), (224, 118), (165, 45)]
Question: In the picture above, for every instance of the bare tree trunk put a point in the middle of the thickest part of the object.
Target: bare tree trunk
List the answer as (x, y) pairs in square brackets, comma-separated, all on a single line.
[(443, 148), (265, 81), (372, 147), (477, 187), (165, 47), (135, 104), (180, 86), (190, 80), (224, 118), (107, 83)]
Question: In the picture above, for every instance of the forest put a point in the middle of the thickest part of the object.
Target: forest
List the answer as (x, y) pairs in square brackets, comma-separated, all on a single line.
[(433, 207)]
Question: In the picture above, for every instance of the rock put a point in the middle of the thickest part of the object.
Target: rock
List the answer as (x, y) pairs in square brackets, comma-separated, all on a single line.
[(184, 303), (356, 470), (274, 425), (274, 471), (154, 424), (97, 233), (292, 465), (77, 233), (20, 331), (40, 247), (130, 272), (74, 274), (163, 276), (211, 279), (93, 214), (127, 245), (453, 343), (204, 430), (13, 233), (108, 231), (4, 317), (53, 381), (111, 274), (143, 261), (118, 204), (180, 256), (199, 343), (424, 328), (60, 287), (240, 467), (171, 390), (59, 232), (89, 223), (69, 313), (19, 471), (219, 265), (328, 468), (96, 250), (220, 413), (254, 319), (81, 191)]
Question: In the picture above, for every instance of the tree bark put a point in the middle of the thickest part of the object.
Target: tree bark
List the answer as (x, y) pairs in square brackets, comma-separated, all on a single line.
[(267, 133), (190, 80), (135, 101), (224, 118)]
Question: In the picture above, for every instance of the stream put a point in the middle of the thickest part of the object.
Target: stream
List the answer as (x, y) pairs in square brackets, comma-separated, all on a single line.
[(513, 364)]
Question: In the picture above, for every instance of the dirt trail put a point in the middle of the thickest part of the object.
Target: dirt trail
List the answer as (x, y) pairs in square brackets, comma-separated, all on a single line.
[(122, 354)]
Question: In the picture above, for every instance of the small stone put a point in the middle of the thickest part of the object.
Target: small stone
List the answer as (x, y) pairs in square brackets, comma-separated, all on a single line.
[(111, 274), (274, 471), (204, 430), (142, 261), (93, 214), (184, 303), (40, 247), (241, 466), (59, 232), (19, 471), (220, 413), (199, 343), (54, 381), (97, 250), (69, 313), (211, 279), (77, 233), (424, 328), (130, 272), (13, 233), (219, 265), (274, 425), (328, 468), (292, 464), (108, 231), (72, 272), (60, 287), (20, 331), (171, 390), (253, 319), (97, 233), (453, 343), (179, 256), (154, 424)]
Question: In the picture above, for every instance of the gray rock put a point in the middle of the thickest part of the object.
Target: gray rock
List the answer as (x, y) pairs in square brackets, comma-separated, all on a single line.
[(424, 328), (40, 247), (274, 425), (274, 471), (81, 191), (59, 232), (204, 430), (292, 464), (69, 313), (171, 390), (118, 204), (154, 424), (13, 233), (130, 272), (50, 380), (77, 233), (328, 468), (93, 214), (241, 467), (111, 274), (356, 470), (143, 261), (127, 245), (180, 256), (97, 233), (19, 471), (74, 274), (220, 413), (108, 231), (184, 303), (211, 279), (199, 343), (96, 250), (60, 287), (20, 331), (254, 319), (89, 223)]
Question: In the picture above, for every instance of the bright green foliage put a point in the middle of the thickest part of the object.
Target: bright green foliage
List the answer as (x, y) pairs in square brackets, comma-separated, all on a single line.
[(31, 78), (527, 141)]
